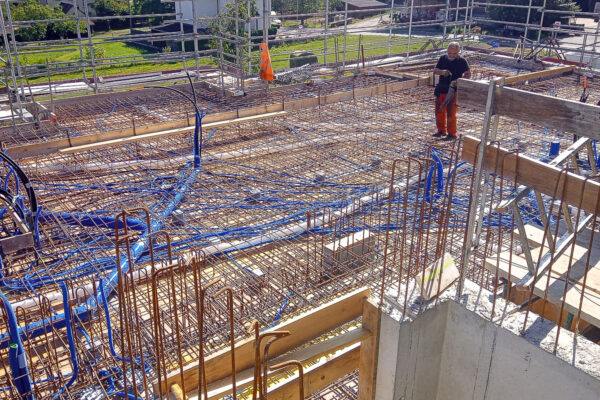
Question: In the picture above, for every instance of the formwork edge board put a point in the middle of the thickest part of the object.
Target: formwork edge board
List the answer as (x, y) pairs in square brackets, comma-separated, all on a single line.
[(30, 150), (169, 132), (338, 345), (302, 328), (511, 80), (561, 114), (319, 376), (536, 174)]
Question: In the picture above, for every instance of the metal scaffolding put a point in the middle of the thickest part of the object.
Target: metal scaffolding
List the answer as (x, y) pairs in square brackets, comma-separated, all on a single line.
[(227, 43)]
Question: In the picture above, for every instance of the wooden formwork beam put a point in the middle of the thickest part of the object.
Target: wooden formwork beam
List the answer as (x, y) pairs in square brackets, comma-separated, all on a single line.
[(331, 348), (169, 132), (565, 115), (369, 349), (302, 329), (536, 174), (319, 376), (548, 73)]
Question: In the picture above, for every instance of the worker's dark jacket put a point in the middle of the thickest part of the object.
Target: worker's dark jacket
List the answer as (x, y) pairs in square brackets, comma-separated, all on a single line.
[(457, 67)]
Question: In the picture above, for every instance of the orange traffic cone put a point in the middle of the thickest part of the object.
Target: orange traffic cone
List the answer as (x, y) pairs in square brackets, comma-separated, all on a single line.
[(266, 70)]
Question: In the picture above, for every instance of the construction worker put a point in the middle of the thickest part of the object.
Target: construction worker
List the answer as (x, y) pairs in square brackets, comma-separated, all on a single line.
[(449, 67)]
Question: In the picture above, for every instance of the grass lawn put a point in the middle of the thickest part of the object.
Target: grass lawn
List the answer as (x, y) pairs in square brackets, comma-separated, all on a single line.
[(113, 49), (122, 69), (374, 45)]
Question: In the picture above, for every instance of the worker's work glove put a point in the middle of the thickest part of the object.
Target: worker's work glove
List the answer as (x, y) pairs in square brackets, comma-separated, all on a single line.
[(449, 97), (446, 72)]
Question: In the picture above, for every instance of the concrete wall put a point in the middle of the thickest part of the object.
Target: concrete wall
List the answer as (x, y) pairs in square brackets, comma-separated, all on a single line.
[(450, 352)]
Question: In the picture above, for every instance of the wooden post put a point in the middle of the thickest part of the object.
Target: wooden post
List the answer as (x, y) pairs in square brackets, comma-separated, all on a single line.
[(369, 349)]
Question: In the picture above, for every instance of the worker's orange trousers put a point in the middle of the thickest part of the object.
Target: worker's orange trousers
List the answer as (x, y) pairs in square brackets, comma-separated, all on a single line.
[(447, 115)]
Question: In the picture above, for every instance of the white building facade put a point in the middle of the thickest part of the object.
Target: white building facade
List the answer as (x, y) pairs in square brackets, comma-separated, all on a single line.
[(188, 10)]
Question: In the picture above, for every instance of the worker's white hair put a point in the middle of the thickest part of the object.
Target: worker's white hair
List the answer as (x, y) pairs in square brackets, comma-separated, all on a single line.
[(455, 45)]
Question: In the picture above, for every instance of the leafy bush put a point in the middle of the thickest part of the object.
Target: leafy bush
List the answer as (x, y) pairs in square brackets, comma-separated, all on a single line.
[(111, 8), (32, 10), (99, 52)]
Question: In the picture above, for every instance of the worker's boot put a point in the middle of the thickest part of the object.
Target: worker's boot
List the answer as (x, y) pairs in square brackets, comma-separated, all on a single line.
[(439, 134)]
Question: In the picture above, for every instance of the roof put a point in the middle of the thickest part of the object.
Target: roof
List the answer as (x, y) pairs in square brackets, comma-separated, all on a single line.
[(365, 3)]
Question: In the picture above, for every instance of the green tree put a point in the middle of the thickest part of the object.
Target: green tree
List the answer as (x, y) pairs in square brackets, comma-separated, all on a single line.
[(309, 7), (110, 8), (519, 15), (153, 7), (32, 10), (225, 24)]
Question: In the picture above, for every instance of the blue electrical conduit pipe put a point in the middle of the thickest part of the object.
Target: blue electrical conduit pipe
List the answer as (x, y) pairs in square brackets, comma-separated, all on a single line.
[(297, 229), (267, 149), (111, 345), (90, 219), (37, 328), (142, 243), (70, 340), (16, 353), (82, 312), (440, 177)]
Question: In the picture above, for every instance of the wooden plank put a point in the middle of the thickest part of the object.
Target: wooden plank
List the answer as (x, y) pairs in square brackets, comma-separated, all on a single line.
[(319, 376), (440, 275), (302, 328), (335, 97), (301, 104), (369, 350), (536, 174), (590, 310), (511, 80), (395, 76), (359, 93), (566, 115), (377, 90), (170, 132), (222, 387), (266, 109), (177, 392), (535, 235)]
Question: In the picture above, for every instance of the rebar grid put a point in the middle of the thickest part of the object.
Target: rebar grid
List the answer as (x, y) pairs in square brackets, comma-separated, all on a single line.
[(271, 196), (286, 165), (344, 388), (142, 107), (151, 106), (569, 87)]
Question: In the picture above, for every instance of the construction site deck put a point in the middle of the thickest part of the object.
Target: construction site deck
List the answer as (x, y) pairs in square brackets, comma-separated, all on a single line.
[(160, 238)]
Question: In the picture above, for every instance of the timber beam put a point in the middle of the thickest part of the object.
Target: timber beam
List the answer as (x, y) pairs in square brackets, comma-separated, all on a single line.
[(302, 329), (536, 174), (565, 115)]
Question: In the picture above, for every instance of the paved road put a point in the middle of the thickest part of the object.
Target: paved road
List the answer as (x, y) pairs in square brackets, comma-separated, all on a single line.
[(576, 41), (377, 26)]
